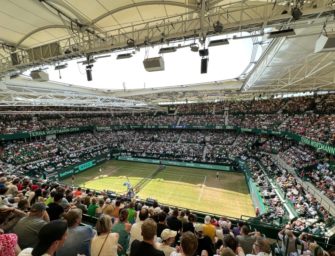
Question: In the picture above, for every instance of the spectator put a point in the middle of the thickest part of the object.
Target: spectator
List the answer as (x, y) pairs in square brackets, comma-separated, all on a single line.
[(147, 246), (204, 242), (161, 225), (108, 208), (189, 245), (209, 229), (54, 209), (8, 244), (78, 203), (246, 240), (78, 192), (122, 227), (91, 210), (136, 229), (173, 222), (168, 238), (261, 247), (27, 229), (231, 242), (289, 242), (99, 210), (105, 243), (117, 207), (131, 213), (227, 252), (78, 238), (51, 238)]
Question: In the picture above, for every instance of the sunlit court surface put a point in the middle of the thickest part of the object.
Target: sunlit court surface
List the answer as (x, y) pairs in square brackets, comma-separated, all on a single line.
[(191, 188)]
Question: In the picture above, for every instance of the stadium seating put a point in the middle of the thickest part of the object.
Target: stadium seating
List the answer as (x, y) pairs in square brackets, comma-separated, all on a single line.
[(180, 137)]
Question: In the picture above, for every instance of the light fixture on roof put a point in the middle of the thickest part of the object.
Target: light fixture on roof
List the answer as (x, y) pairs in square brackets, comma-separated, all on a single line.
[(124, 56), (167, 49), (194, 47), (296, 13), (218, 42), (281, 33), (61, 66), (325, 43), (131, 42), (235, 37), (203, 52), (218, 27)]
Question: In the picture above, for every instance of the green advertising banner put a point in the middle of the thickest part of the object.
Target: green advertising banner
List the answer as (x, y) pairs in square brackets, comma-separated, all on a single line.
[(82, 167), (177, 163)]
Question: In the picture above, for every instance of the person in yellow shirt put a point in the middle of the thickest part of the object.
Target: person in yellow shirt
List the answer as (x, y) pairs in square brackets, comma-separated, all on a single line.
[(209, 229)]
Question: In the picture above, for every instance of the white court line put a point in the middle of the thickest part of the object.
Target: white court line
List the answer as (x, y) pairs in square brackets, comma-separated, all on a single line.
[(202, 189)]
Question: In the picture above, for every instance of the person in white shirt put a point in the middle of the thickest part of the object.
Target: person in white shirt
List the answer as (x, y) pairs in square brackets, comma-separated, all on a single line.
[(168, 238), (106, 243), (136, 228)]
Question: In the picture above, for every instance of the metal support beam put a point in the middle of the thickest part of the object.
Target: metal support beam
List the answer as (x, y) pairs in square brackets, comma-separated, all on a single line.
[(240, 16)]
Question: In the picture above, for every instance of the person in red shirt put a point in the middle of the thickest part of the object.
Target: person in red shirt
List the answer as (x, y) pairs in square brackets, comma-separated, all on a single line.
[(78, 192)]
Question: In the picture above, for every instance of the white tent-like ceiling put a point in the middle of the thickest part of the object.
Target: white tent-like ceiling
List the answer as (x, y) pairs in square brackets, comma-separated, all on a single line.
[(42, 32)]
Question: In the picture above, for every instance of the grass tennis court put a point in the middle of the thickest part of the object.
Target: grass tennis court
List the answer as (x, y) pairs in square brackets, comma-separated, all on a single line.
[(196, 189)]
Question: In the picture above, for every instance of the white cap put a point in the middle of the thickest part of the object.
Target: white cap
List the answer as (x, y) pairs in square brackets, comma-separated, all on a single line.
[(168, 233)]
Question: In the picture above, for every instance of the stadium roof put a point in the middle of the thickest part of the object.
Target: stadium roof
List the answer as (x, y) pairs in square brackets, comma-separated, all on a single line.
[(36, 33)]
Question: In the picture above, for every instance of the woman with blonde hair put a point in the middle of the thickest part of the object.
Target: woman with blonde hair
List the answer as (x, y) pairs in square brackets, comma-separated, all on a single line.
[(105, 243)]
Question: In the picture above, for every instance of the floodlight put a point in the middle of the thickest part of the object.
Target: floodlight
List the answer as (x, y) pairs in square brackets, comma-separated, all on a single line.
[(218, 42), (203, 52), (124, 56), (167, 50), (281, 33), (61, 66), (194, 47)]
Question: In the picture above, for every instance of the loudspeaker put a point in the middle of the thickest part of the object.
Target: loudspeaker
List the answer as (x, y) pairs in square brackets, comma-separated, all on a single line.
[(154, 64), (89, 74), (204, 64), (39, 75)]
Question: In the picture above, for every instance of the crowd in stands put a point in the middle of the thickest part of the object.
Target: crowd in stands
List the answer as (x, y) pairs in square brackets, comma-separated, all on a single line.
[(285, 196), (311, 117), (54, 208), (299, 156), (323, 178), (43, 218), (40, 156)]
